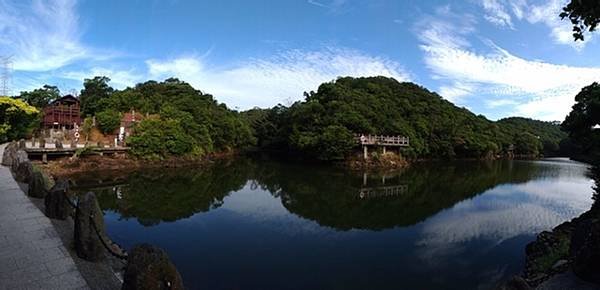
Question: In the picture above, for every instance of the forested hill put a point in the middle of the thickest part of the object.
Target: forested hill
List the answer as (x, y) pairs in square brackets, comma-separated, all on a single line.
[(322, 126)]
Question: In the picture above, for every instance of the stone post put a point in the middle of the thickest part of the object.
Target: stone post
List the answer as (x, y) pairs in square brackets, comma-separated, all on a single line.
[(87, 244), (149, 267), (37, 185), (42, 142), (56, 206), (21, 166), (365, 152), (22, 144), (58, 144)]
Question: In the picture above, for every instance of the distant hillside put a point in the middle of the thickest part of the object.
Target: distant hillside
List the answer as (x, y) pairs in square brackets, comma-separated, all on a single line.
[(549, 133), (323, 124)]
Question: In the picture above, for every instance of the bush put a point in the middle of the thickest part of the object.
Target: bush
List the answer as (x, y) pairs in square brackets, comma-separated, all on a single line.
[(108, 121), (157, 138)]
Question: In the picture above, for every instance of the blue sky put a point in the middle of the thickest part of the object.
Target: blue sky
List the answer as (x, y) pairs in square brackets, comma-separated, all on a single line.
[(497, 58)]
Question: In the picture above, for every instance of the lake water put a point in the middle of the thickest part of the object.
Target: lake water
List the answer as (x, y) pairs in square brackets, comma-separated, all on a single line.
[(271, 225)]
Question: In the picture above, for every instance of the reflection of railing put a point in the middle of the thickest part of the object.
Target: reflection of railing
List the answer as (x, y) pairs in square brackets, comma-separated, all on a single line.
[(382, 140), (382, 191)]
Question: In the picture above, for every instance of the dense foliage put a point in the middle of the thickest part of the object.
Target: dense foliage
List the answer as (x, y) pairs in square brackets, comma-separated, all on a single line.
[(182, 120), (523, 131), (322, 126), (41, 97), (94, 91), (583, 123), (108, 121), (583, 14), (16, 118)]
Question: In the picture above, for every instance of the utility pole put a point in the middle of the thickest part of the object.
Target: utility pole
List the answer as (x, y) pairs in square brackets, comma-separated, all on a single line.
[(5, 75)]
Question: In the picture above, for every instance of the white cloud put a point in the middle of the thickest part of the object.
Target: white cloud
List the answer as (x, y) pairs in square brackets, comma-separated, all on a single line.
[(500, 103), (333, 5), (496, 13), (118, 78), (457, 90), (41, 35), (561, 30), (278, 79), (541, 89)]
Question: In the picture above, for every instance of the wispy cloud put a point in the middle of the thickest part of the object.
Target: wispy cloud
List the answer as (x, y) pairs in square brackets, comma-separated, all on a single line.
[(536, 88), (496, 13), (119, 78), (41, 35), (560, 30), (278, 79), (333, 5), (502, 13)]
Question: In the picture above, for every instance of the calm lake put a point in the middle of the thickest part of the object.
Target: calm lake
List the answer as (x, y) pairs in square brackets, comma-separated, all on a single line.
[(272, 225)]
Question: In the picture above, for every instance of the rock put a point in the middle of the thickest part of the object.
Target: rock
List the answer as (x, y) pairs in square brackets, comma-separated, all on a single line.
[(559, 264), (515, 283), (37, 185), (21, 166), (56, 206), (87, 243), (586, 259), (149, 267), (10, 152)]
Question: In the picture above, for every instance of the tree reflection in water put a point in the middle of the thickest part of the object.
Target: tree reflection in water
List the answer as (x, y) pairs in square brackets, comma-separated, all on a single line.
[(332, 197)]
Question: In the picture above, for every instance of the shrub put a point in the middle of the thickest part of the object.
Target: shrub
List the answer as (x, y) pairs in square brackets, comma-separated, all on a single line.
[(108, 121)]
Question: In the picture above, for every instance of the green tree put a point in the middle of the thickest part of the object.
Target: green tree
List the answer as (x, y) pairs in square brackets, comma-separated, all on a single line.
[(93, 93), (17, 119), (583, 121), (86, 127), (583, 14), (108, 121), (156, 138), (40, 98)]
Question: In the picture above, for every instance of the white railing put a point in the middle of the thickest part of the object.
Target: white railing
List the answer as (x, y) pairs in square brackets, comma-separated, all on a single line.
[(382, 140)]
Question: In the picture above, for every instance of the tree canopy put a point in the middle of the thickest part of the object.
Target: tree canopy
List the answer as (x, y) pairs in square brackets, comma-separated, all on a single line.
[(180, 117), (17, 118), (322, 126), (584, 120), (583, 14), (93, 92), (41, 97)]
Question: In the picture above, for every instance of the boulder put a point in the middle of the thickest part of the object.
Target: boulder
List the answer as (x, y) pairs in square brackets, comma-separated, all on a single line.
[(586, 256), (10, 152), (87, 243), (149, 267), (21, 166), (56, 205), (37, 185)]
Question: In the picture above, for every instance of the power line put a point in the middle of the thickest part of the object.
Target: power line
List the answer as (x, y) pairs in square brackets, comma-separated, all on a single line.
[(5, 75)]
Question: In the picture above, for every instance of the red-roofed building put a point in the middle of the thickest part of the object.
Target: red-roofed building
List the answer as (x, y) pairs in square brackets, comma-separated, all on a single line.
[(63, 112)]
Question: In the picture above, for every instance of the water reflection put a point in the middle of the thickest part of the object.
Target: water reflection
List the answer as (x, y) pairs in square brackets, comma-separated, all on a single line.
[(337, 198), (272, 225)]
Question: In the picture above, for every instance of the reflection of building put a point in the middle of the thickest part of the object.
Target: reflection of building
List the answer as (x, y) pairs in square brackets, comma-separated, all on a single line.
[(62, 113), (381, 191)]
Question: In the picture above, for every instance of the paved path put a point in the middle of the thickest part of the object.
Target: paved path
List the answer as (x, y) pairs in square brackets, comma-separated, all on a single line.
[(32, 256)]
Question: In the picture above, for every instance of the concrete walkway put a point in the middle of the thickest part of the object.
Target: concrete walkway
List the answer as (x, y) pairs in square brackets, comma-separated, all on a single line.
[(32, 255)]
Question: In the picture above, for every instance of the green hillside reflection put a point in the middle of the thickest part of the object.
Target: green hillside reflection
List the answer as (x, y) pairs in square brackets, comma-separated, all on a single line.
[(330, 196)]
